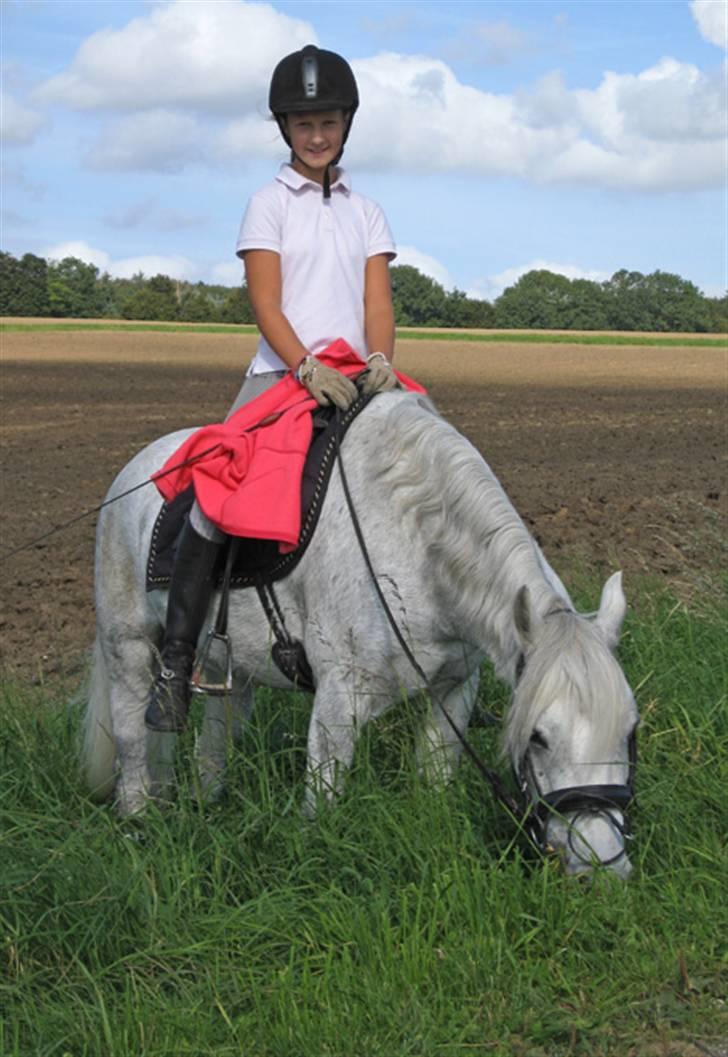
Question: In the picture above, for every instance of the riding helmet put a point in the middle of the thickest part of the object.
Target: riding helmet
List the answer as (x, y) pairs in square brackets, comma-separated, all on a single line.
[(313, 79)]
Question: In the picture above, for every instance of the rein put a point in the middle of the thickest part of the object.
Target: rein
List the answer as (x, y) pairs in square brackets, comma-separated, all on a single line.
[(515, 805), (532, 816), (107, 502)]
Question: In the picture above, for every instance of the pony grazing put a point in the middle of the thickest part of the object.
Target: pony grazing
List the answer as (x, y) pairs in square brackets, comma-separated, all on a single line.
[(464, 580)]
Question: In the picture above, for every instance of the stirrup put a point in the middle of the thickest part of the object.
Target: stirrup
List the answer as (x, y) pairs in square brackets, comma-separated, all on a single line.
[(197, 682)]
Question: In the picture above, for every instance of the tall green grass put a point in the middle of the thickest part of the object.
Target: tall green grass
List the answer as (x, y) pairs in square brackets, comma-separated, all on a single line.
[(400, 922)]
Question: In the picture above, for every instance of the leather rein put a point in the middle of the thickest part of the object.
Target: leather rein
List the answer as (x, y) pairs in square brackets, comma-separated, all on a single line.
[(531, 814)]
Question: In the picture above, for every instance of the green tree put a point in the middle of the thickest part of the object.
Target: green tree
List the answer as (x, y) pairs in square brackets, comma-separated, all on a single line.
[(718, 313), (10, 285), (660, 301), (236, 308), (72, 289), (418, 300), (151, 299), (196, 307), (463, 311), (540, 299), (587, 305), (23, 285)]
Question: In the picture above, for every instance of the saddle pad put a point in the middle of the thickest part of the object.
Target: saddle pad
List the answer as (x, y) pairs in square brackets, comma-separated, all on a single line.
[(256, 559)]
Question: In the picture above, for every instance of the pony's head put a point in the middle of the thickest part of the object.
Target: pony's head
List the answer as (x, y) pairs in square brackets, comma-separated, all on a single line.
[(570, 733)]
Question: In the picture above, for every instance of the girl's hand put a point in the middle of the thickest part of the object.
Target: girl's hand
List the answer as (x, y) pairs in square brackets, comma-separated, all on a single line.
[(326, 385), (379, 376)]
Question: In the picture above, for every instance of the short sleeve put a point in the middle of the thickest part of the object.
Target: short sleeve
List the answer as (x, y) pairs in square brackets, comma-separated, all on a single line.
[(261, 227), (379, 235)]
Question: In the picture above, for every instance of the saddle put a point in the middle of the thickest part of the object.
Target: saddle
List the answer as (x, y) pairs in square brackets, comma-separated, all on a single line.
[(258, 560), (259, 563)]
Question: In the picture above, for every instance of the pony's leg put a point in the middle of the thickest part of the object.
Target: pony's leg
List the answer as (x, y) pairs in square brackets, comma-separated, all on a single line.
[(438, 746), (222, 725), (145, 760), (332, 733)]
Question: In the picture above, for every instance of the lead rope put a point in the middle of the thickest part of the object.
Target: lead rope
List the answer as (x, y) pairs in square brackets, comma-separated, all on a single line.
[(499, 789), (106, 502)]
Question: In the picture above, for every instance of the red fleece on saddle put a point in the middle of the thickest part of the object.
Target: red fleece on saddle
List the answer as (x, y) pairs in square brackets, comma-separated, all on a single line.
[(250, 484)]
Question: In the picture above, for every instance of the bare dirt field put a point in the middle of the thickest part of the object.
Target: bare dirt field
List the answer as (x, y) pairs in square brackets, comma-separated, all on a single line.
[(614, 456)]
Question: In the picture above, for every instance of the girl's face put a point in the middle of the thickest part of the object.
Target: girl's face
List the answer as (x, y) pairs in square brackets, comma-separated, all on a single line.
[(316, 139)]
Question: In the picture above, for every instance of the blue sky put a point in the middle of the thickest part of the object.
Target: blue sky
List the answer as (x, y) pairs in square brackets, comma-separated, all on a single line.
[(498, 136)]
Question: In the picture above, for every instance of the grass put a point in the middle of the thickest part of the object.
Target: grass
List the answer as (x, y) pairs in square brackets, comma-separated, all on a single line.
[(519, 336), (400, 923)]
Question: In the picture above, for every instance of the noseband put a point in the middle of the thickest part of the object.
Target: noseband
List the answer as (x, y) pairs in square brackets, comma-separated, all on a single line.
[(607, 801)]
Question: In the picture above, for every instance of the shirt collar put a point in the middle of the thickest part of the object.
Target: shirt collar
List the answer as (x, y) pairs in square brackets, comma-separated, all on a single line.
[(288, 176)]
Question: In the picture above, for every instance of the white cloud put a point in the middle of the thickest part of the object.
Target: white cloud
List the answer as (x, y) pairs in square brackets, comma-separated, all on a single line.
[(175, 267), (209, 57), (196, 90), (78, 249), (425, 264), (492, 286), (711, 17), (18, 124), (660, 129), (227, 273)]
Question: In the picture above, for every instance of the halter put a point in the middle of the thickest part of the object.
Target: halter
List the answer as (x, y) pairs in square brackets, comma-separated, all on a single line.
[(576, 801)]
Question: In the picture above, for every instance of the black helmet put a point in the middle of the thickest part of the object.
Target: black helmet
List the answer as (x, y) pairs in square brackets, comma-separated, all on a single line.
[(312, 79)]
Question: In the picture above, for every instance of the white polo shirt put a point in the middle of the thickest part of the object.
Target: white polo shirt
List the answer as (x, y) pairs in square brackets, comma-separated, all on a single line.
[(324, 245)]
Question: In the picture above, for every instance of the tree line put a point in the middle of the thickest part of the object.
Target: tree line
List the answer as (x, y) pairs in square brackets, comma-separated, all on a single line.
[(660, 301)]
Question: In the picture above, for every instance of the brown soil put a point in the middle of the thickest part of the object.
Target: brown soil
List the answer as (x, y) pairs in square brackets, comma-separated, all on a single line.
[(613, 455)]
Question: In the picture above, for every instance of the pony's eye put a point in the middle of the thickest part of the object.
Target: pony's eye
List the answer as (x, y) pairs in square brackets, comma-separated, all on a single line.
[(537, 738)]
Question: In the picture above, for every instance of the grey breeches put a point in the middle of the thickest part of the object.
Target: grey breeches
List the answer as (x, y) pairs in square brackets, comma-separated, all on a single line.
[(252, 386)]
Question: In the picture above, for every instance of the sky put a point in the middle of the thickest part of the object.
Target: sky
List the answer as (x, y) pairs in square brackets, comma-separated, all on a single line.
[(582, 136)]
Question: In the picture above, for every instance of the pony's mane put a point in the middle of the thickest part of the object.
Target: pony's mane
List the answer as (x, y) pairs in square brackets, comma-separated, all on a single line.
[(571, 662), (443, 486)]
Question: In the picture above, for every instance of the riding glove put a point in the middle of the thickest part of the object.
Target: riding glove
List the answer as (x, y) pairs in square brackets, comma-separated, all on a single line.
[(326, 385), (379, 375)]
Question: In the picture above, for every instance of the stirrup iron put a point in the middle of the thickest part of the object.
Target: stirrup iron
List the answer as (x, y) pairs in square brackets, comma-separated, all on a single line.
[(197, 682), (218, 633)]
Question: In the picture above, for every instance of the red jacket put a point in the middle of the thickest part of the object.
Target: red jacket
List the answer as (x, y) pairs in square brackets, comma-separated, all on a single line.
[(250, 483)]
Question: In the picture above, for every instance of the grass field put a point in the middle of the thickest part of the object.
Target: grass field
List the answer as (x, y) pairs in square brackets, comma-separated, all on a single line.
[(401, 922), (551, 337)]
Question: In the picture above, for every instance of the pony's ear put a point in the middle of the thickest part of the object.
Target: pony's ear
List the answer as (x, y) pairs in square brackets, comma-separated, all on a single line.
[(523, 616), (612, 609)]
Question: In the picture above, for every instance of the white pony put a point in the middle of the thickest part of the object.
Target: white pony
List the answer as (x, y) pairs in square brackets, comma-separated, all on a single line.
[(464, 581)]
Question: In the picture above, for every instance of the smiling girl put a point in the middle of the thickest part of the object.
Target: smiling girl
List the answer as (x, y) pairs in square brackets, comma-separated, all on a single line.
[(316, 258)]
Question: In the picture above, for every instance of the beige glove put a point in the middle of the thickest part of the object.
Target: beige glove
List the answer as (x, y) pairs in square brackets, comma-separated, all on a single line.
[(379, 376), (326, 385)]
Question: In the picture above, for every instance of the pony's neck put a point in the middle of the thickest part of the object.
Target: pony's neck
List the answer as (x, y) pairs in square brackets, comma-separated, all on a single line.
[(476, 547), (491, 557), (509, 560)]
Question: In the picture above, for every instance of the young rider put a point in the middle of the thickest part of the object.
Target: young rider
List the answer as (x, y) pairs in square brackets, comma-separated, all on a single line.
[(316, 260)]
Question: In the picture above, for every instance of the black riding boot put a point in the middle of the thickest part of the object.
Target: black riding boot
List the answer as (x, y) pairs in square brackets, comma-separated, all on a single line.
[(190, 591)]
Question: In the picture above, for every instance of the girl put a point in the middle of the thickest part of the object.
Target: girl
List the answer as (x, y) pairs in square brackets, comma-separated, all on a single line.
[(316, 260)]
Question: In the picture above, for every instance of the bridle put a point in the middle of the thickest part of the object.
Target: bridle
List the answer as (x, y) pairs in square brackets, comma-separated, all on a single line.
[(572, 802)]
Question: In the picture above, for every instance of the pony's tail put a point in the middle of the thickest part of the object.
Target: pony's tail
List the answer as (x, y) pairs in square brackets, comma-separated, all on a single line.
[(98, 752)]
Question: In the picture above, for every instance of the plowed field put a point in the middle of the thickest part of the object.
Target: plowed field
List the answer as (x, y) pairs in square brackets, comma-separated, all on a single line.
[(614, 456)]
